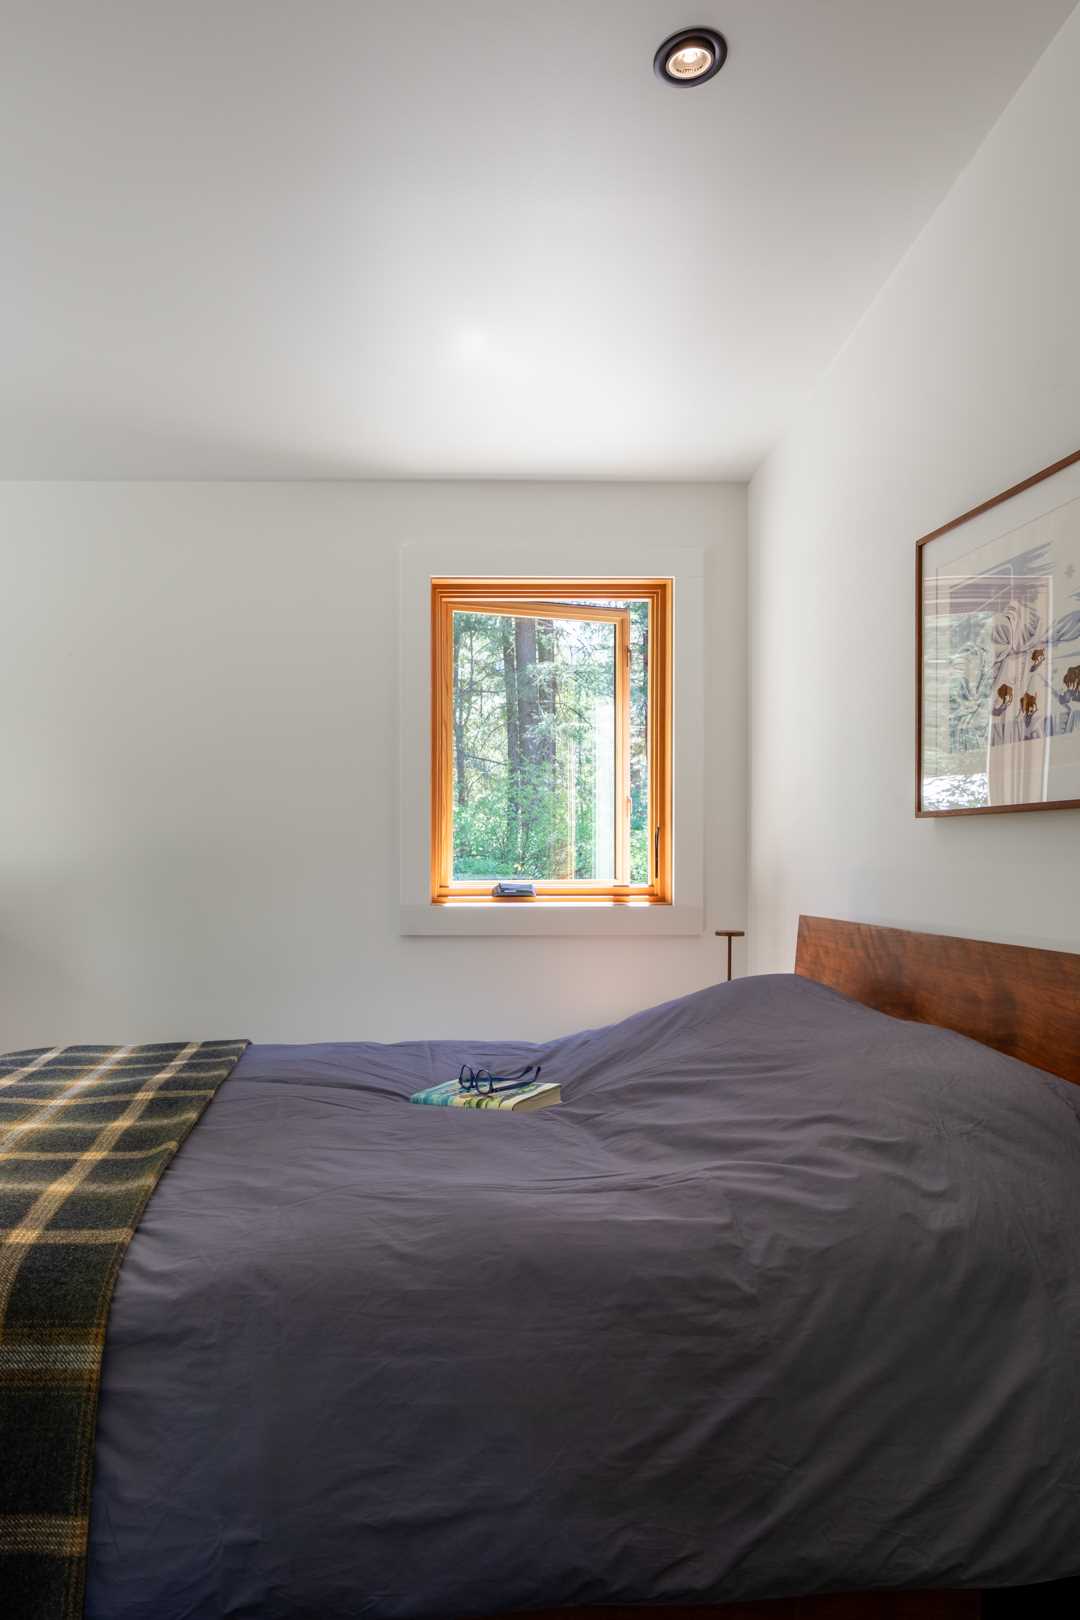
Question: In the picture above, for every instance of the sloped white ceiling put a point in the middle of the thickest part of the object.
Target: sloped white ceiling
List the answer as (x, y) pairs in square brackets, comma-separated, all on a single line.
[(292, 238)]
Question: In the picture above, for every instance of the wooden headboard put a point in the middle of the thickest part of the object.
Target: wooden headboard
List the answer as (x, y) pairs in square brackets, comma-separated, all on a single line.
[(1021, 1001)]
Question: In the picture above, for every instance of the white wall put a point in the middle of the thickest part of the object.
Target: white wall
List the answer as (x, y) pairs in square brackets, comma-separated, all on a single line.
[(198, 735), (963, 378)]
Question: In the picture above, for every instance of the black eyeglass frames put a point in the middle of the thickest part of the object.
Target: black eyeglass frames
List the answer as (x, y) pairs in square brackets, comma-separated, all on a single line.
[(483, 1082)]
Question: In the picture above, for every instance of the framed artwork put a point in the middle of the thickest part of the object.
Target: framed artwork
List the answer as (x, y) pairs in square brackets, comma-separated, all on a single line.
[(997, 595)]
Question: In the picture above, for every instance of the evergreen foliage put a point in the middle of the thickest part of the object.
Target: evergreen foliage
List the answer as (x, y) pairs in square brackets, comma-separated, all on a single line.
[(533, 733)]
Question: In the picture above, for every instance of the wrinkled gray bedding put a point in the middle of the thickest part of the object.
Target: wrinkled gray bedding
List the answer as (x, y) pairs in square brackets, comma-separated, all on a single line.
[(784, 1297)]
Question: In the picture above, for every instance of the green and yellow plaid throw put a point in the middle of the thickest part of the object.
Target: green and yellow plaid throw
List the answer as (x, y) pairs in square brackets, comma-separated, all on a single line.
[(85, 1134)]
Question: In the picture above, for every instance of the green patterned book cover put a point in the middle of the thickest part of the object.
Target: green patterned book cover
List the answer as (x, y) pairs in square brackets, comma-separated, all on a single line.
[(522, 1099)]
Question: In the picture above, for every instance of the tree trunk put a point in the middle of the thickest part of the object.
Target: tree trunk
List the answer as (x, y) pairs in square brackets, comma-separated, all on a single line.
[(462, 712), (545, 652), (513, 751), (529, 739)]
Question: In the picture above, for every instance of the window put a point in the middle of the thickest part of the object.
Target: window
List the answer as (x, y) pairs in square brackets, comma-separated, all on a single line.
[(550, 738)]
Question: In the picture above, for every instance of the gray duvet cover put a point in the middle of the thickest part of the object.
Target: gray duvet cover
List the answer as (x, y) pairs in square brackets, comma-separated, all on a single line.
[(784, 1297)]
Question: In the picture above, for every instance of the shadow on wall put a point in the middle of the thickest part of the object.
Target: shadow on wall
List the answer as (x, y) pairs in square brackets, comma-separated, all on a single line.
[(34, 980)]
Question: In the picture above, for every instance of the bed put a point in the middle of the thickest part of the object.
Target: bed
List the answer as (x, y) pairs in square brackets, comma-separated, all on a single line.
[(784, 1299)]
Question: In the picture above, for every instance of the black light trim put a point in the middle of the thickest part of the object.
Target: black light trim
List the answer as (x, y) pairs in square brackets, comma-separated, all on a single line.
[(686, 39)]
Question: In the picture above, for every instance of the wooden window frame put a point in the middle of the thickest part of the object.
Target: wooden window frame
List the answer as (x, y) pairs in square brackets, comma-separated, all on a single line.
[(546, 598)]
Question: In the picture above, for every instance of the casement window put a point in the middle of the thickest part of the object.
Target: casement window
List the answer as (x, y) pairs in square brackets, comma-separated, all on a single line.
[(551, 739)]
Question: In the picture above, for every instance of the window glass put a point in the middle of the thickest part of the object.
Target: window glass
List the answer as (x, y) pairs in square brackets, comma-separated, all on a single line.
[(535, 751), (551, 760)]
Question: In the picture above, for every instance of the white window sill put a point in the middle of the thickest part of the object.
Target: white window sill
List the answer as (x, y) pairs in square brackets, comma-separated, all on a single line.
[(544, 919)]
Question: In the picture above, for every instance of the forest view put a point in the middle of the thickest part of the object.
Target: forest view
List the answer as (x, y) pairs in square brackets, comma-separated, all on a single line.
[(535, 791)]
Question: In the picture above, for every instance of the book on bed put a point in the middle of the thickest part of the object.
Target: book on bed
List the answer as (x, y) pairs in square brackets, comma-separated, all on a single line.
[(520, 1100)]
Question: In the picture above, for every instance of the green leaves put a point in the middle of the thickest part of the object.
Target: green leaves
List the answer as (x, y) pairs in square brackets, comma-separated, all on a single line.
[(534, 746)]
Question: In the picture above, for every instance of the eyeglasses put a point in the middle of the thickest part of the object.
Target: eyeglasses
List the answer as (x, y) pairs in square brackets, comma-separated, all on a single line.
[(483, 1082)]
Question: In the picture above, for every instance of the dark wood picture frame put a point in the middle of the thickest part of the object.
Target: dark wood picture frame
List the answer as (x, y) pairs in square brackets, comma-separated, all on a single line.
[(920, 545)]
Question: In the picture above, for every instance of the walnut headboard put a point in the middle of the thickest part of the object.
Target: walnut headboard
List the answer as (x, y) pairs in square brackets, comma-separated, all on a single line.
[(1021, 1001)]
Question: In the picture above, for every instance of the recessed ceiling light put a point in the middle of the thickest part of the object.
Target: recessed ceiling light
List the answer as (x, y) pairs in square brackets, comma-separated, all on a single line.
[(691, 56)]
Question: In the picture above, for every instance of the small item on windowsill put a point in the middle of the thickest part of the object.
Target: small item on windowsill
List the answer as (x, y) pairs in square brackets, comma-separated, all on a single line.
[(511, 889), (478, 1088)]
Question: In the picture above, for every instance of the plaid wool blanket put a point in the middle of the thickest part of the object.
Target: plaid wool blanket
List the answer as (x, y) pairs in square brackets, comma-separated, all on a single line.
[(85, 1134)]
